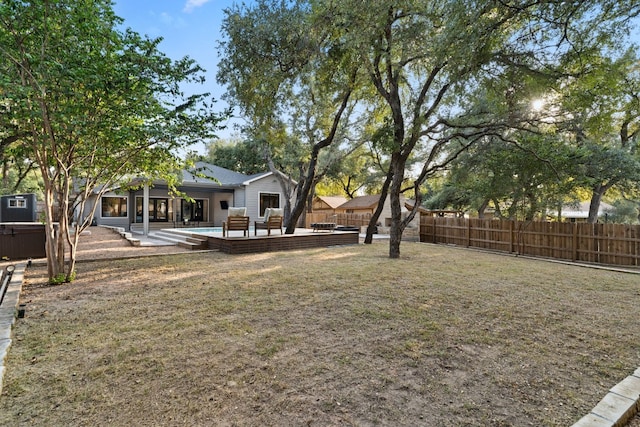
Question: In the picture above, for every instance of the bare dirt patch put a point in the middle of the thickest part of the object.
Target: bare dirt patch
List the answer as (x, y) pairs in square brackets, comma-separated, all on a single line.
[(338, 336)]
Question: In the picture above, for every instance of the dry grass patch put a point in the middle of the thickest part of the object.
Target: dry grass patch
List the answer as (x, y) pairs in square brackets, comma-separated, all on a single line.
[(338, 336)]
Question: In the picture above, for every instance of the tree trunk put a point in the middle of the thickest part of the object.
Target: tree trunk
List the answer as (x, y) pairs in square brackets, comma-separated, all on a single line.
[(533, 207), (397, 226), (594, 206), (303, 192), (73, 251), (376, 215), (483, 208), (54, 267), (287, 186)]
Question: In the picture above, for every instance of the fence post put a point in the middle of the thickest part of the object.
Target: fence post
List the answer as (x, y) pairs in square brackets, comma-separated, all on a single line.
[(574, 241), (468, 231), (511, 227), (435, 223)]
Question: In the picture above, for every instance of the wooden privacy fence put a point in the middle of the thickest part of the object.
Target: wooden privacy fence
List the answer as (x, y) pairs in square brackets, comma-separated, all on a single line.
[(351, 220), (614, 244)]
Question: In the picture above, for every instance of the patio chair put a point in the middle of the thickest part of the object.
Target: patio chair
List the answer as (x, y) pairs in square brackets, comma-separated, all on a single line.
[(238, 220), (272, 221)]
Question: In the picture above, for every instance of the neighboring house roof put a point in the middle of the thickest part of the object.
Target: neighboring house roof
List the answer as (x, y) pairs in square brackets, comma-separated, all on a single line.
[(581, 210), (362, 202), (333, 201), (408, 204)]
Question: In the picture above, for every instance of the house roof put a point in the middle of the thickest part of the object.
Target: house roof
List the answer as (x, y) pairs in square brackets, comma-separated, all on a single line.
[(581, 210), (255, 177), (206, 173), (333, 201), (362, 202), (409, 203)]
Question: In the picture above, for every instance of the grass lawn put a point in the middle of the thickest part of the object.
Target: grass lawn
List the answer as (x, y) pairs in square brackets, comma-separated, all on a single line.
[(325, 337)]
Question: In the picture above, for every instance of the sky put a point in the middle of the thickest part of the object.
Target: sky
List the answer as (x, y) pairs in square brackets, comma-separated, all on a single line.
[(189, 28)]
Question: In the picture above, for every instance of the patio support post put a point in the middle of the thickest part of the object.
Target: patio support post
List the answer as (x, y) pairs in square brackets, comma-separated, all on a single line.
[(145, 210)]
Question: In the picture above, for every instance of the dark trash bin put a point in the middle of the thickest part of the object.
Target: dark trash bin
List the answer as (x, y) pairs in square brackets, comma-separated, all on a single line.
[(22, 240)]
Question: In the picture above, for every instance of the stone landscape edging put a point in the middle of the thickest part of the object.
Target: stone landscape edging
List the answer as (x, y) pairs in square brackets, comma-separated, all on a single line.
[(8, 313), (618, 407)]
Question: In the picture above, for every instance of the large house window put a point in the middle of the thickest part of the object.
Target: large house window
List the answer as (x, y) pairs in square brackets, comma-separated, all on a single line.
[(158, 210), (193, 211), (269, 200), (114, 207)]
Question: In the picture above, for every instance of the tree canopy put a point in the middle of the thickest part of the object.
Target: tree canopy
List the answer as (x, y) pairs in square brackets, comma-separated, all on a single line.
[(412, 65)]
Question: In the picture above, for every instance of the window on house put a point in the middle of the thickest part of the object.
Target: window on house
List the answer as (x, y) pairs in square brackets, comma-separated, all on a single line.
[(269, 200), (193, 211), (17, 203), (114, 207), (158, 210)]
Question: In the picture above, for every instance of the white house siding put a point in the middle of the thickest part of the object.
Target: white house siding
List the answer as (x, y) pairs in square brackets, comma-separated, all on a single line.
[(267, 184), (240, 198), (219, 214)]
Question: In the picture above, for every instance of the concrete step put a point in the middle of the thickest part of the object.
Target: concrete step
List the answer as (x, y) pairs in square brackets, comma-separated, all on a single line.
[(181, 239)]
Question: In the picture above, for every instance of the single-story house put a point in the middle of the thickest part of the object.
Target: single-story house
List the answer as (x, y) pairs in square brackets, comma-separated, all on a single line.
[(213, 190), (360, 205), (580, 212), (327, 204), (369, 203)]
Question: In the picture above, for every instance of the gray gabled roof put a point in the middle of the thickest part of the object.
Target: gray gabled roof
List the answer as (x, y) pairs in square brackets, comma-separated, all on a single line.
[(206, 173), (257, 176)]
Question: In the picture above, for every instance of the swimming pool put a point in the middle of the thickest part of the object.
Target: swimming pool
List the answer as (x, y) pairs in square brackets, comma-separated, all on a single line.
[(201, 230), (205, 230)]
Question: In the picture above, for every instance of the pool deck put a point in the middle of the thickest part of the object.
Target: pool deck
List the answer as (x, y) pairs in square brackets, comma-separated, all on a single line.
[(236, 243)]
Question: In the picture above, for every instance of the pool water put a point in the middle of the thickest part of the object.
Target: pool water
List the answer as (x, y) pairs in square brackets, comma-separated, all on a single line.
[(202, 230), (205, 230)]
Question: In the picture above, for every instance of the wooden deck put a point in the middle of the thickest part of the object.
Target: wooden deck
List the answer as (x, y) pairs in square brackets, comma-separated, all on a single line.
[(301, 239)]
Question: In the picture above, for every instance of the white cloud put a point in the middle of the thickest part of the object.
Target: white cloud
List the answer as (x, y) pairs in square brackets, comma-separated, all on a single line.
[(192, 4)]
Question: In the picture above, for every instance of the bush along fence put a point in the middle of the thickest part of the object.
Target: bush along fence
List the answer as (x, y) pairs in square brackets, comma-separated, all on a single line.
[(612, 244)]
